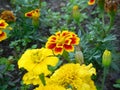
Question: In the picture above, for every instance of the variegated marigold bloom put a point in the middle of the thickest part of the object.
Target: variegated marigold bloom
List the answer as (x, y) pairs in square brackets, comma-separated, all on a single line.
[(8, 16), (3, 35), (75, 75), (34, 14), (91, 2), (3, 24), (37, 60), (62, 41), (31, 78)]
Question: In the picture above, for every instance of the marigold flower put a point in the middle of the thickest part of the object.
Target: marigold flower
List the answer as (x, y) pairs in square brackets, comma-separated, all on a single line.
[(75, 75), (62, 41), (50, 87), (91, 2), (8, 16), (31, 78), (3, 24), (34, 14), (3, 35), (37, 60)]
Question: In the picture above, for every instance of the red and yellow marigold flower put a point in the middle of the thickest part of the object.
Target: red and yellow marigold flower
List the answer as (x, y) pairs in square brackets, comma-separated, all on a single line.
[(3, 35), (34, 14), (62, 41), (91, 2), (3, 24)]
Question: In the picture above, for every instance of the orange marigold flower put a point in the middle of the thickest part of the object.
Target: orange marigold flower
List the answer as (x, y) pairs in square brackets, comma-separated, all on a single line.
[(91, 2), (3, 35), (3, 24), (8, 16), (33, 14), (62, 41)]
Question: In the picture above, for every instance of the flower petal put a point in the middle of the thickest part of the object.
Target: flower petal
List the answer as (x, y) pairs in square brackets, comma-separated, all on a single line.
[(68, 48), (50, 45), (58, 51)]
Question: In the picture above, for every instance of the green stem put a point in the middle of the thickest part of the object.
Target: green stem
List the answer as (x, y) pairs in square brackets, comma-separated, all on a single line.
[(66, 56), (111, 23), (104, 76), (103, 24)]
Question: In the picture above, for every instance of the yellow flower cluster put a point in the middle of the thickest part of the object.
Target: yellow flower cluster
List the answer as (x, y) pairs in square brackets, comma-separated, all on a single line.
[(75, 75), (36, 62)]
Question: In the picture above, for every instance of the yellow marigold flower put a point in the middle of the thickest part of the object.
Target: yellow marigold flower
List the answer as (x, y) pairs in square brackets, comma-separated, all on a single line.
[(3, 35), (62, 41), (75, 75), (91, 2), (31, 78), (3, 24), (33, 14), (50, 87), (37, 60), (8, 16)]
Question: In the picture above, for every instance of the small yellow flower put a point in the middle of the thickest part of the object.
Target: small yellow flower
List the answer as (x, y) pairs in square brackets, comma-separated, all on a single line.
[(3, 24), (37, 60), (75, 75), (91, 2), (106, 58), (62, 41), (3, 35)]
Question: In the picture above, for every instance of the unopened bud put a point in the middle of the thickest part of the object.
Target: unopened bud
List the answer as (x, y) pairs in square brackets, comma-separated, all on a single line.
[(79, 55), (76, 13), (106, 58)]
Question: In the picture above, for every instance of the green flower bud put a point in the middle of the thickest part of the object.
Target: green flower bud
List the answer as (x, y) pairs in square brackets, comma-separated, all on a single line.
[(106, 58), (79, 55), (76, 13)]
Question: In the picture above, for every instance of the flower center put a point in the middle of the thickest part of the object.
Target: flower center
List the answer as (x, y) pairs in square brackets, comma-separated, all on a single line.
[(37, 57), (61, 40)]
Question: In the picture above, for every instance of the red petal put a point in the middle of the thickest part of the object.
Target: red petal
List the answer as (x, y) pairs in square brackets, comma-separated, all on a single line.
[(51, 45), (74, 40), (58, 51), (68, 48), (2, 24)]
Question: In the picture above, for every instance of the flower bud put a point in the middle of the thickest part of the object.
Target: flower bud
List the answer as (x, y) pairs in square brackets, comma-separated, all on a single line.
[(76, 13), (106, 58), (79, 55)]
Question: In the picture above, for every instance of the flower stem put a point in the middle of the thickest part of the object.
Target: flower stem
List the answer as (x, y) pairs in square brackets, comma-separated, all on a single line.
[(104, 77)]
